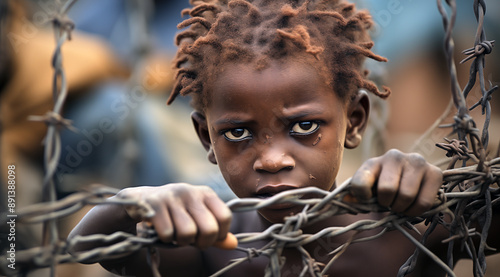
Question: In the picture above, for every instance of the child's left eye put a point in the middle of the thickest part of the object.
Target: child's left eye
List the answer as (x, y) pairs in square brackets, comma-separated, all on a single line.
[(304, 127)]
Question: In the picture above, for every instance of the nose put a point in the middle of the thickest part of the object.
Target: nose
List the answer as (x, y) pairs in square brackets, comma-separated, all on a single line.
[(273, 159)]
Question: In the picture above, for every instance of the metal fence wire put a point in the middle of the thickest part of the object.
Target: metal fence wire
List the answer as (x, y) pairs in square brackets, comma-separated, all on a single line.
[(469, 192)]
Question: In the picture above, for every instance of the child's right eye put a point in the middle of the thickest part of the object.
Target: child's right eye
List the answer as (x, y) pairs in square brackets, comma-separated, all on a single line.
[(237, 134)]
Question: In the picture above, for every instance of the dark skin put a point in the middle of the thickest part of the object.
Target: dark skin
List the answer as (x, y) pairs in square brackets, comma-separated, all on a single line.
[(269, 132)]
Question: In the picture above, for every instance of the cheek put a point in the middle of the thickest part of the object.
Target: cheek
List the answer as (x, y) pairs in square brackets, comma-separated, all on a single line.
[(234, 163), (327, 158)]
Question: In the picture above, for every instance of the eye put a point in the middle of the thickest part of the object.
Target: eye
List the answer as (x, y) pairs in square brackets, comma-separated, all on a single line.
[(237, 134), (304, 128)]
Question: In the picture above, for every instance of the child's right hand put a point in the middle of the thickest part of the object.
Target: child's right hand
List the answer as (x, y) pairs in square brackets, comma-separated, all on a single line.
[(184, 214)]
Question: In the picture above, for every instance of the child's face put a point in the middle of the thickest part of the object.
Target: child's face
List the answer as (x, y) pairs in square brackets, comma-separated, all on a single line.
[(274, 130)]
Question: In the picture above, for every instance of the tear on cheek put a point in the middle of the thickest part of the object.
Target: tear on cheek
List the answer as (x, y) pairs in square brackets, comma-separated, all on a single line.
[(317, 140)]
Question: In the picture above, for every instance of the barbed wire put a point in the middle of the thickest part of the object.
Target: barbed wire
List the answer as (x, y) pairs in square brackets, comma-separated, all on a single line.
[(62, 31), (285, 234), (468, 194)]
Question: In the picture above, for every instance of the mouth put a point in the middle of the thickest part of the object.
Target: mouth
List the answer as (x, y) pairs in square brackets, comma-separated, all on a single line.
[(264, 196), (268, 191)]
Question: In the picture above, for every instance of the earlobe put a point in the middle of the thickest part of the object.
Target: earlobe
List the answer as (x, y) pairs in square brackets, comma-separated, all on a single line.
[(352, 141), (201, 128), (358, 112), (211, 156)]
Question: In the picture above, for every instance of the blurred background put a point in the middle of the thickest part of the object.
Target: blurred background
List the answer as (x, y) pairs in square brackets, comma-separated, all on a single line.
[(118, 66)]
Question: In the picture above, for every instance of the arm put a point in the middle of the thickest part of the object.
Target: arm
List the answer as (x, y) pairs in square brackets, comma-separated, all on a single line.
[(185, 214)]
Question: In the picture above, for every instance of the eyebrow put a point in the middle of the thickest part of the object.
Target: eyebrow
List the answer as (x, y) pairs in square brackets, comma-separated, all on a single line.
[(301, 115), (300, 112), (233, 121)]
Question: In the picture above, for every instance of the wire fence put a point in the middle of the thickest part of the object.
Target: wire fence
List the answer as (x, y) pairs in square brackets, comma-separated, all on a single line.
[(468, 195)]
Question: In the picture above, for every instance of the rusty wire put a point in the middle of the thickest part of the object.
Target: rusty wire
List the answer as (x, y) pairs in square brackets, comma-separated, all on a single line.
[(468, 134), (62, 32), (467, 196), (282, 235)]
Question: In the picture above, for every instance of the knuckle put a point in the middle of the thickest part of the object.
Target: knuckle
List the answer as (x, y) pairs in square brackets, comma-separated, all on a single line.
[(417, 160), (180, 189), (394, 153), (127, 193), (206, 189), (368, 164), (393, 156)]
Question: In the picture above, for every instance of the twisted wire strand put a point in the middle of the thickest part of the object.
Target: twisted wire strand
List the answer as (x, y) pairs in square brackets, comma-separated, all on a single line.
[(62, 32)]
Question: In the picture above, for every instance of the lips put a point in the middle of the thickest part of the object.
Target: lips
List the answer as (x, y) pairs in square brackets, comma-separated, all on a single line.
[(268, 191), (271, 190)]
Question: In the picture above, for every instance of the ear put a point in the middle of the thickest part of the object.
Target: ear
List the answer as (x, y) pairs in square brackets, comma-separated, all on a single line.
[(357, 116), (201, 128)]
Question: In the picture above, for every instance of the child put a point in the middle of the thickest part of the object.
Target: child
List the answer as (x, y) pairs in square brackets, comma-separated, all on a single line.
[(276, 96)]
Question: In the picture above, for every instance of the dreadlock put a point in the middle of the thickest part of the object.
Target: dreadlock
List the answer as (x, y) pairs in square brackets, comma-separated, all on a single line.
[(257, 31)]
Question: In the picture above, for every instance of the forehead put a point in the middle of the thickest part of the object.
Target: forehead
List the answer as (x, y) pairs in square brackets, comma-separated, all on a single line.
[(281, 85)]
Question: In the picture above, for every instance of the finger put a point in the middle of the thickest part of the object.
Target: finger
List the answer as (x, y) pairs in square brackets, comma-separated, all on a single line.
[(389, 180), (222, 214), (409, 186), (184, 226), (364, 179), (208, 228), (431, 184), (133, 211), (162, 223)]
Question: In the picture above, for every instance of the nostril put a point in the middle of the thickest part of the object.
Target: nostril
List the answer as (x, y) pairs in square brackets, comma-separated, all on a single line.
[(259, 170), (275, 170)]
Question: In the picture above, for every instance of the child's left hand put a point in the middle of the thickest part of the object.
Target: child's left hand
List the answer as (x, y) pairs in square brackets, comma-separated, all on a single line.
[(405, 183)]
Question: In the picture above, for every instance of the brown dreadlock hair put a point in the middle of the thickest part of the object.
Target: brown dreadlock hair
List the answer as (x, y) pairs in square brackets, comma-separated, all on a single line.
[(257, 31)]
